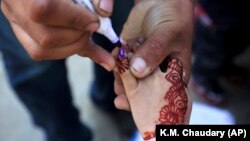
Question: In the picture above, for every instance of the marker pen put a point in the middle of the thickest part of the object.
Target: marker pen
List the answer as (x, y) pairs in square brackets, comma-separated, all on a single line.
[(105, 28)]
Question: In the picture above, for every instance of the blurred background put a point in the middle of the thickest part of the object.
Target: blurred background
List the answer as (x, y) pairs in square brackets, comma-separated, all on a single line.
[(16, 124)]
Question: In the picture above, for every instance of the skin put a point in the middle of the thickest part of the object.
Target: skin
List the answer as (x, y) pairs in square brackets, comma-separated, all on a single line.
[(163, 28), (56, 29), (167, 28), (154, 31), (161, 98), (48, 31)]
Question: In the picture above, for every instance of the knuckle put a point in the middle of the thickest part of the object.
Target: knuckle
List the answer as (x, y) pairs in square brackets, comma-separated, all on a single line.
[(40, 9), (177, 30), (83, 53), (76, 20), (46, 41), (117, 88), (116, 91), (36, 55), (156, 48), (81, 21)]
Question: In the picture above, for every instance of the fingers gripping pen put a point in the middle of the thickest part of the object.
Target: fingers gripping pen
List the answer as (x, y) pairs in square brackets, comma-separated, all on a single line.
[(105, 28)]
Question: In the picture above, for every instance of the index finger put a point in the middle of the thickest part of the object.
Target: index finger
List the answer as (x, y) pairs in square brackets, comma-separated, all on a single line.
[(63, 13)]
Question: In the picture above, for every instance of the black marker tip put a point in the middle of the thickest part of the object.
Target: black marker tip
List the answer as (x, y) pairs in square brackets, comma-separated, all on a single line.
[(118, 43)]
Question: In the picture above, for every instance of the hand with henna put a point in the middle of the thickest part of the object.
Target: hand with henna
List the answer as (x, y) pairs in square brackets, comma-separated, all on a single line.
[(154, 31), (56, 29), (161, 98), (163, 28)]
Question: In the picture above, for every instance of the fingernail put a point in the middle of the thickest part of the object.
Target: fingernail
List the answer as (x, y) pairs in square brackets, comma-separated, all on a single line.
[(106, 66), (139, 65), (106, 6)]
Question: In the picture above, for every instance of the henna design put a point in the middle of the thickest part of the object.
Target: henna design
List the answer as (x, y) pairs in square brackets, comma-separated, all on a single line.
[(148, 135), (173, 113), (122, 59), (175, 110)]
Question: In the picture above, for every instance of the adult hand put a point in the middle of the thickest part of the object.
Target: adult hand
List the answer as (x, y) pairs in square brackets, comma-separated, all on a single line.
[(164, 28), (57, 29)]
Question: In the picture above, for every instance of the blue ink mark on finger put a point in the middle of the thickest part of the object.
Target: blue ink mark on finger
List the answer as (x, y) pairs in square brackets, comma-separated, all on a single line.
[(122, 52)]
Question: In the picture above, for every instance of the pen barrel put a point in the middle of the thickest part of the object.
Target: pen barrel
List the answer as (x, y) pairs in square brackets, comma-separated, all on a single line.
[(105, 28), (85, 3)]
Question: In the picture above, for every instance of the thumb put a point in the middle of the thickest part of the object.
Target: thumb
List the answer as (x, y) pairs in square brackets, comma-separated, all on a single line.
[(150, 54), (104, 7)]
